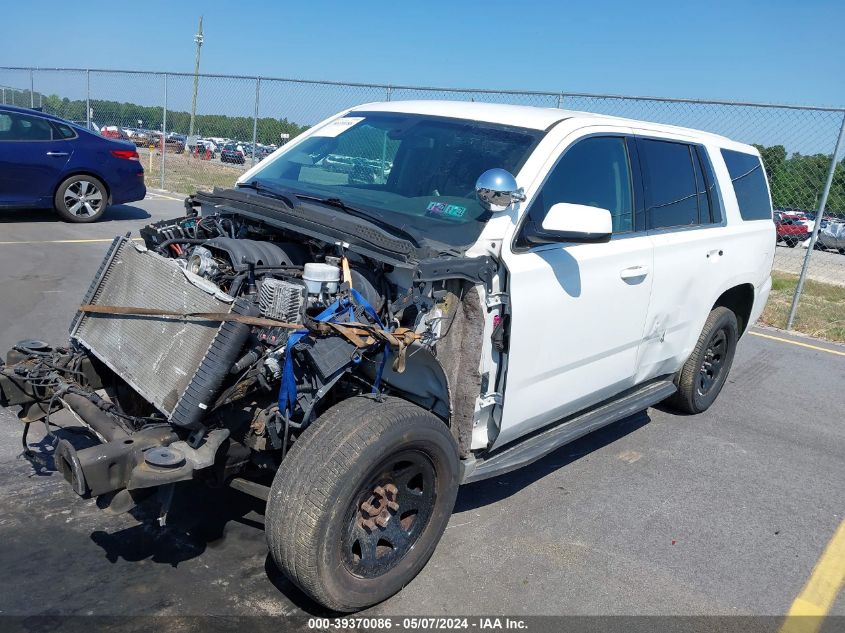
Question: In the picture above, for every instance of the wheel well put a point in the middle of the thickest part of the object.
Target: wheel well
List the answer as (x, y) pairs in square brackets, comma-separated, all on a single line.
[(83, 173), (739, 300)]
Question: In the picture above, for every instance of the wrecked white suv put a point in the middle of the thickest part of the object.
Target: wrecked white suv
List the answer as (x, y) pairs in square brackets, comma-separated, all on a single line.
[(407, 297)]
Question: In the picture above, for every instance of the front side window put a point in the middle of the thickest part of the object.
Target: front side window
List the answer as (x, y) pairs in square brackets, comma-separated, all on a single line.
[(20, 127), (593, 172), (669, 180), (414, 172), (749, 182)]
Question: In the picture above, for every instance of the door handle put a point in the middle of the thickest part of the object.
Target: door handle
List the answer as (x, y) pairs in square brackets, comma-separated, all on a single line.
[(634, 272), (716, 252), (56, 153)]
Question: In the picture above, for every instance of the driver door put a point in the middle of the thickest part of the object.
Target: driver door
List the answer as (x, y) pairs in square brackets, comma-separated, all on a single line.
[(578, 310)]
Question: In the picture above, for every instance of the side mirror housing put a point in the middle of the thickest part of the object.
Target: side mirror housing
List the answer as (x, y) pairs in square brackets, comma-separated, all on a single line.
[(567, 222), (496, 190)]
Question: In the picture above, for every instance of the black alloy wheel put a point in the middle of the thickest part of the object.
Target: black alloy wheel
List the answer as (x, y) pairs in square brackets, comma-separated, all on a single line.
[(388, 514)]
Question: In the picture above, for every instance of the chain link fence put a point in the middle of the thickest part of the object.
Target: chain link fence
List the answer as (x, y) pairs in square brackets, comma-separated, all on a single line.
[(239, 120)]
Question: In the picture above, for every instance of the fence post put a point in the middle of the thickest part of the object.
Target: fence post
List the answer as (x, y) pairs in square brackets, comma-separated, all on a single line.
[(389, 90), (255, 118), (87, 99), (164, 131), (31, 89), (814, 236), (559, 100)]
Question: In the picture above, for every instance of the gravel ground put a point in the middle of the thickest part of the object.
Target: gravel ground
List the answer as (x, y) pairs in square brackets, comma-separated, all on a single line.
[(825, 266)]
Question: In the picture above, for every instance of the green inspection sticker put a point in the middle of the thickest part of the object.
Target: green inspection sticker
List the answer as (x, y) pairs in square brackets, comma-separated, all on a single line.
[(443, 210)]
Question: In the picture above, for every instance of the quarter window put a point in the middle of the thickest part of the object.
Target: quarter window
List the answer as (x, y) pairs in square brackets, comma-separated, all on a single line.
[(593, 172), (64, 131), (714, 201), (749, 182)]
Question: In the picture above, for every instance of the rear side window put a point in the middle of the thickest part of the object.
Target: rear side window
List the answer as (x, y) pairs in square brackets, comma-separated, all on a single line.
[(749, 182), (21, 127), (669, 179)]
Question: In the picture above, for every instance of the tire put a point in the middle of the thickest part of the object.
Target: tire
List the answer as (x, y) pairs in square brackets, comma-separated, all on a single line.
[(701, 378), (841, 251), (87, 192), (791, 243), (333, 487)]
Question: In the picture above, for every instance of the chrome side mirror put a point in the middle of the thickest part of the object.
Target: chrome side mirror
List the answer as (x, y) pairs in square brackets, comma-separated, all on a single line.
[(496, 190)]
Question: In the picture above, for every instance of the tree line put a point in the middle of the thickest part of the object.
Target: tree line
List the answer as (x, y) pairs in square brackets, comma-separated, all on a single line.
[(268, 129), (797, 181)]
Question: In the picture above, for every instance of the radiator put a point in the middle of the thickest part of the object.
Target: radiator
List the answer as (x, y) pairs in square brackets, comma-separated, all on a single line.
[(176, 365)]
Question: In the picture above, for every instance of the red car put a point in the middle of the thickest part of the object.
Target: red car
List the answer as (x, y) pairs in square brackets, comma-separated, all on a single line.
[(791, 230)]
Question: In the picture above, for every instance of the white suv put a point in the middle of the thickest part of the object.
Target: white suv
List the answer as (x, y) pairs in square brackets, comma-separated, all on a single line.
[(408, 296)]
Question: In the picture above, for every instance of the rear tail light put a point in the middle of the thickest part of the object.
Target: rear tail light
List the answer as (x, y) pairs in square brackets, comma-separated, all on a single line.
[(126, 154)]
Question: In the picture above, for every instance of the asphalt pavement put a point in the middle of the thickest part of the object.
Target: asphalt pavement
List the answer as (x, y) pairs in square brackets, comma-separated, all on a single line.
[(721, 513)]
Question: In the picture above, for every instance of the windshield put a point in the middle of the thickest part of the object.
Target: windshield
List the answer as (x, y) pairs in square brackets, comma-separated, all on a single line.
[(415, 173)]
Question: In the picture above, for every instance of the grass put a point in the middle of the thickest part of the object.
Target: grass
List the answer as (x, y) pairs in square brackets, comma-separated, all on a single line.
[(821, 311), (185, 174)]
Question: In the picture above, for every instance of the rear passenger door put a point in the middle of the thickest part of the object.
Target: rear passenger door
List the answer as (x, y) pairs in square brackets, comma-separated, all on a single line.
[(33, 156), (684, 218)]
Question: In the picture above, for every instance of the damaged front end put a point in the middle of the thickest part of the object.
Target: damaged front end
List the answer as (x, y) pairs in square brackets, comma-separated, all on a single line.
[(207, 350)]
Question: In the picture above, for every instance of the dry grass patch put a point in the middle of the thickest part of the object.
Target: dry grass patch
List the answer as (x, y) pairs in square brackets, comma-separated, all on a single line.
[(821, 311), (186, 174)]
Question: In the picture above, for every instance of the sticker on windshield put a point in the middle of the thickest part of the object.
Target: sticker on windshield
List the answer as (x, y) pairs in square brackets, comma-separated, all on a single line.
[(445, 211), (338, 126)]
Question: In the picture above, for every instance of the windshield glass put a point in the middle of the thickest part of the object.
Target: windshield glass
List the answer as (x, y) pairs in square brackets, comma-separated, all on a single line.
[(415, 173)]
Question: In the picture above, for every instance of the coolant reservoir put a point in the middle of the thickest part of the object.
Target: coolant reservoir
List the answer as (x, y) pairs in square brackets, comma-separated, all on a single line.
[(321, 278)]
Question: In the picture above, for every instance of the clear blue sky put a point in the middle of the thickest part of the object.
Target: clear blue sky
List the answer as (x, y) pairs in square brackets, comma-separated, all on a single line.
[(778, 51)]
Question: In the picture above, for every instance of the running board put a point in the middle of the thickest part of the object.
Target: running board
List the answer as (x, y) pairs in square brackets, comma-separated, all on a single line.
[(542, 442)]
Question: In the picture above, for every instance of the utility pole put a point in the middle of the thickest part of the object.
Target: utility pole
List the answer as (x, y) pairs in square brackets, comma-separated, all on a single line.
[(198, 39)]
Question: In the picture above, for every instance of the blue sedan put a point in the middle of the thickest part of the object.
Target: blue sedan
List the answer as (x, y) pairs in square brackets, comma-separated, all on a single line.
[(46, 161)]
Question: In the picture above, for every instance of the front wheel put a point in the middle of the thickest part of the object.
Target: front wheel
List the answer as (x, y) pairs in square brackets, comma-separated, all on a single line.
[(81, 198), (361, 501), (706, 370)]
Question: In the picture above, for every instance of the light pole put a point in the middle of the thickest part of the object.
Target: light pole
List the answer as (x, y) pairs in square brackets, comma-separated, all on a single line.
[(198, 39)]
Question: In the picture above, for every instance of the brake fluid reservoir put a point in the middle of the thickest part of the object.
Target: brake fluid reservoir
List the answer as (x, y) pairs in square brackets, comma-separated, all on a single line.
[(321, 277)]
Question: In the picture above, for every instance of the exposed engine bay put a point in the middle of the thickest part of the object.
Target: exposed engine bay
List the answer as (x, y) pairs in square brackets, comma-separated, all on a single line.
[(204, 349)]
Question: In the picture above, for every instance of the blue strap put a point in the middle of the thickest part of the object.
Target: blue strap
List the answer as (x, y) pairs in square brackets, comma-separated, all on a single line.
[(377, 382), (333, 313)]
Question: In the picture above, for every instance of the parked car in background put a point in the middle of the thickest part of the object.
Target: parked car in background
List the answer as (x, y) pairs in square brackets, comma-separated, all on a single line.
[(113, 131), (791, 229), (172, 144), (205, 148), (232, 154), (46, 161), (263, 152), (141, 138), (832, 235)]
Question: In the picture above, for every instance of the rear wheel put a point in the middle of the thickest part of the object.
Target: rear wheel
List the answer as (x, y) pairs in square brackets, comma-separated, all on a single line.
[(81, 198), (706, 370), (361, 501)]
